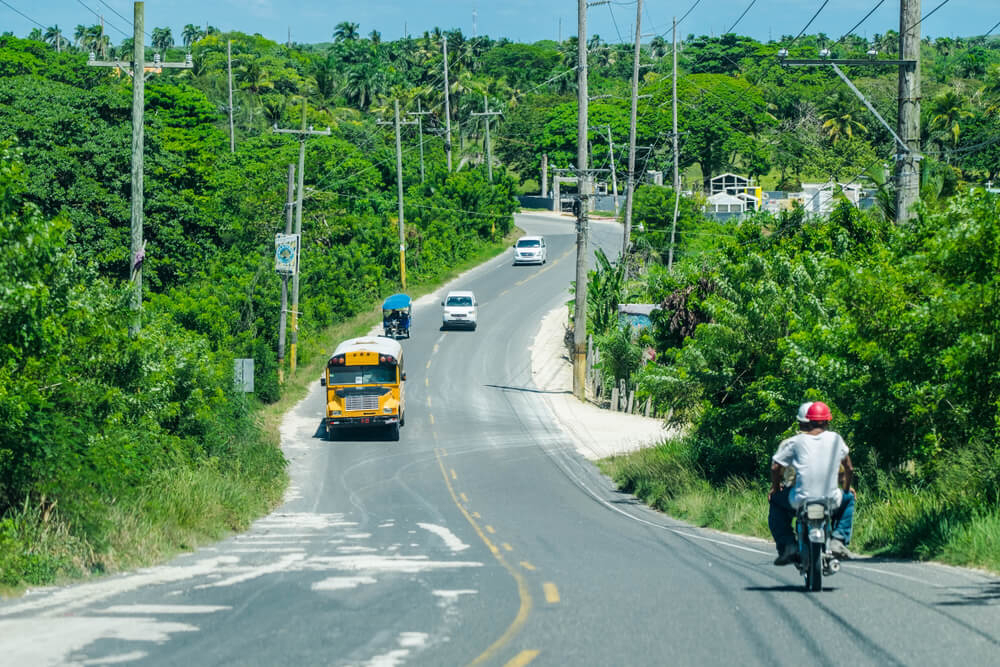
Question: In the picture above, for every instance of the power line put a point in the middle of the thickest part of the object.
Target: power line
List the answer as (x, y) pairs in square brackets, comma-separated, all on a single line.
[(995, 26), (927, 15), (752, 3), (691, 9), (101, 18), (18, 11), (855, 27), (825, 2), (115, 12)]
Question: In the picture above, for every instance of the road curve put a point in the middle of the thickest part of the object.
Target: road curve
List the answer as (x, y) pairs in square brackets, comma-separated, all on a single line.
[(482, 537)]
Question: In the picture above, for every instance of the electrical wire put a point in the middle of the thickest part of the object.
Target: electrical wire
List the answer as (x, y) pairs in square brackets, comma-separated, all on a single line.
[(926, 16), (825, 2), (855, 27), (18, 11), (752, 3), (99, 17)]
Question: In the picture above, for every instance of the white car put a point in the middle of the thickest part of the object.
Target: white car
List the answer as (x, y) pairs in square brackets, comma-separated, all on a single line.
[(530, 250), (460, 309)]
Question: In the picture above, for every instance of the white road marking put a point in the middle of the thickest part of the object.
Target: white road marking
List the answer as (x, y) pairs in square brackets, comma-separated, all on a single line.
[(341, 583), (151, 609), (450, 539)]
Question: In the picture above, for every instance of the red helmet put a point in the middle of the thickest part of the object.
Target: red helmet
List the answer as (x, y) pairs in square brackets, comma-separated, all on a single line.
[(819, 412)]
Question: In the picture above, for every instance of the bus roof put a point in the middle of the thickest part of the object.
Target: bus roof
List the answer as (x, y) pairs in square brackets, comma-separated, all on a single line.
[(377, 344)]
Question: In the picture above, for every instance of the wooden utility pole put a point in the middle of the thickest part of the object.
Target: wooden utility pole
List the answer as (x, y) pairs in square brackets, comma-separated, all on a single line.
[(137, 68), (489, 151), (583, 185), (908, 122), (630, 188), (229, 68), (447, 105), (303, 133), (289, 206), (677, 173), (420, 130)]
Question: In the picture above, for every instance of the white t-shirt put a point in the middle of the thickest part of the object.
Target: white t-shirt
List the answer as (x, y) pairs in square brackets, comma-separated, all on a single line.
[(816, 459)]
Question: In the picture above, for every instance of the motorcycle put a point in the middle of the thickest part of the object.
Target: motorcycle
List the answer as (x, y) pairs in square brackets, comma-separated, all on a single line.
[(814, 528)]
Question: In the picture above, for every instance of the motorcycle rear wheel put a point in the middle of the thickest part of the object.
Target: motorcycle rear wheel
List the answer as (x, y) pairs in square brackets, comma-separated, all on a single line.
[(814, 567)]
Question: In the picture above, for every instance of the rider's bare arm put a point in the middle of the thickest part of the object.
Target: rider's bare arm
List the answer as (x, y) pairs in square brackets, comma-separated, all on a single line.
[(848, 472), (777, 472)]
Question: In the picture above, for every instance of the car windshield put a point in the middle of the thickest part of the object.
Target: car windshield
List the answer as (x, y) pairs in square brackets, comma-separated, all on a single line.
[(530, 243), (362, 375), (459, 301)]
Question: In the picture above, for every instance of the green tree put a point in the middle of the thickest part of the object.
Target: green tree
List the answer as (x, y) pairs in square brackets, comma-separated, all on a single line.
[(345, 31), (162, 39)]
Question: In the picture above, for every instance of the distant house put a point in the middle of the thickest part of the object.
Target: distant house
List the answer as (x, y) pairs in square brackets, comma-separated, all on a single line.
[(724, 206), (739, 186)]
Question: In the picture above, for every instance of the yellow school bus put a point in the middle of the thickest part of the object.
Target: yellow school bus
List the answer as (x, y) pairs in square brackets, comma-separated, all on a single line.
[(364, 385)]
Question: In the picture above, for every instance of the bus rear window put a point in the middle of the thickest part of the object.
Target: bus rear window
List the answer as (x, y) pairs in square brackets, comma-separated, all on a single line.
[(362, 375)]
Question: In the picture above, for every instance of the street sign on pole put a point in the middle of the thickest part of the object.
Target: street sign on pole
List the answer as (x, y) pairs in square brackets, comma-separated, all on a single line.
[(243, 375), (286, 253)]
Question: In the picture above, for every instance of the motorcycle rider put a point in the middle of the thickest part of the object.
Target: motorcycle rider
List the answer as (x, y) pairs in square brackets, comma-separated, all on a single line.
[(816, 454)]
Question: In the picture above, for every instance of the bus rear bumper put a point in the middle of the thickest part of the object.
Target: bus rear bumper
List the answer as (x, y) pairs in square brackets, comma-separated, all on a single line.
[(360, 422)]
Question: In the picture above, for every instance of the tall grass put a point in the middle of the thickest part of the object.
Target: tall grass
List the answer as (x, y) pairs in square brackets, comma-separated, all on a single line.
[(894, 517)]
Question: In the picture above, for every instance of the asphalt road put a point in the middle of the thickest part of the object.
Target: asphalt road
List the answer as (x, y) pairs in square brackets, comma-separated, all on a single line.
[(482, 537)]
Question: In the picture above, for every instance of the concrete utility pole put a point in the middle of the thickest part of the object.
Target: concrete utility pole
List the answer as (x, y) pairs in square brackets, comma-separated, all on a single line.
[(420, 129), (489, 151), (399, 192), (583, 184), (545, 175), (630, 188), (447, 105), (303, 133), (137, 68), (229, 67), (289, 206), (677, 173), (614, 175), (908, 123)]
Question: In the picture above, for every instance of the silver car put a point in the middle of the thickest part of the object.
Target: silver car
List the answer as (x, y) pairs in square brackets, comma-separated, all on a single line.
[(530, 250), (460, 309)]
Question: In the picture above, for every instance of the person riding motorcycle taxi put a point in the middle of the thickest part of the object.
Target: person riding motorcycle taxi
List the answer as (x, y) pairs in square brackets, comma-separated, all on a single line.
[(817, 456)]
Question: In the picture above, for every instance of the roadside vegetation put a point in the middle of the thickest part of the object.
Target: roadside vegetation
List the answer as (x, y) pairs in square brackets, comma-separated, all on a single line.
[(117, 450)]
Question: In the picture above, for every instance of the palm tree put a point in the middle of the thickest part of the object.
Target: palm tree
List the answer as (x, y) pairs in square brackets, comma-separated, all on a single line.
[(253, 77), (840, 121), (35, 34), (345, 31), (273, 107), (191, 34), (376, 37), (947, 109), (658, 47), (79, 34), (162, 39), (53, 36)]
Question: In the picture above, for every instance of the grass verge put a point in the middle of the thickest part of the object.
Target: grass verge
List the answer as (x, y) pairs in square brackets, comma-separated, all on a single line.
[(897, 521)]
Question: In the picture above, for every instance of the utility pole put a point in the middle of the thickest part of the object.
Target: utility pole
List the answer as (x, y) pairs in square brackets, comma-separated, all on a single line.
[(908, 122), (677, 173), (289, 206), (489, 152), (545, 175), (137, 68), (420, 129), (447, 105), (614, 176), (580, 300), (303, 133), (630, 188), (229, 67), (399, 192), (907, 134)]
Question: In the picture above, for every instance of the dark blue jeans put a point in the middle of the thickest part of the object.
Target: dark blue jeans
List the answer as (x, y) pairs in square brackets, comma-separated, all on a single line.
[(781, 513)]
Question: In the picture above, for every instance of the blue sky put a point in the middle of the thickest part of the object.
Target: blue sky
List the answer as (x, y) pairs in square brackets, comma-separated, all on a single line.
[(518, 20)]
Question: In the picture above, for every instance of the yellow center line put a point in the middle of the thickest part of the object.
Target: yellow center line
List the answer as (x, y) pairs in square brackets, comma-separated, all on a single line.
[(522, 587), (428, 363), (551, 592), (427, 382), (453, 475), (527, 566), (507, 547), (431, 417), (522, 659), (489, 529), (434, 351), (465, 499), (476, 514)]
